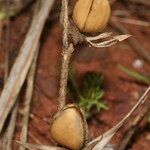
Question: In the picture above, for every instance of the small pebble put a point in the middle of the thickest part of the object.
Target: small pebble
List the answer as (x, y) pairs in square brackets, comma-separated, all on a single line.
[(138, 63)]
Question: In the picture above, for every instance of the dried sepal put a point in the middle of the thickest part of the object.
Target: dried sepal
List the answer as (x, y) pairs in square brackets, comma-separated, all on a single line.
[(98, 37), (114, 40)]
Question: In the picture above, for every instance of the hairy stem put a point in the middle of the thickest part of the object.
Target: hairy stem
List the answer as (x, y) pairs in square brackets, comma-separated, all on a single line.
[(66, 54)]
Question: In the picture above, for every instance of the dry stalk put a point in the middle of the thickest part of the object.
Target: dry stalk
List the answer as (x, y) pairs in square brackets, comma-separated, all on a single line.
[(22, 64), (28, 98), (66, 54)]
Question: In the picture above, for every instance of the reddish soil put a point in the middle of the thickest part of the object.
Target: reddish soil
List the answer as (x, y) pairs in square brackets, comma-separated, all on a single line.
[(121, 92)]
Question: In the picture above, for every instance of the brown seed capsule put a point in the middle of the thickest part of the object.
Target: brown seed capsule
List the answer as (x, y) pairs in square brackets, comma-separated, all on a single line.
[(69, 128), (91, 15)]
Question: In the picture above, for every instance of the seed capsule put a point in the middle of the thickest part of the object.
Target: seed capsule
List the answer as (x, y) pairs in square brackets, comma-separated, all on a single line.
[(91, 15), (69, 128)]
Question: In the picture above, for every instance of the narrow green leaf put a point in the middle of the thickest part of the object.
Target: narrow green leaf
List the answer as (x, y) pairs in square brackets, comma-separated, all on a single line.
[(136, 75)]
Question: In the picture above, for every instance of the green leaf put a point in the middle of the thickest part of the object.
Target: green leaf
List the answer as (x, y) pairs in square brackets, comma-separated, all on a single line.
[(92, 93)]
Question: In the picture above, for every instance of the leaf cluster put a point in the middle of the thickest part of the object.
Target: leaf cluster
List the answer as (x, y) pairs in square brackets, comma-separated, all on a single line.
[(90, 93)]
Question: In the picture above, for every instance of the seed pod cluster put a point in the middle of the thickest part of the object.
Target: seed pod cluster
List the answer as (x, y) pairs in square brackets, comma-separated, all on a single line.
[(91, 16), (69, 128)]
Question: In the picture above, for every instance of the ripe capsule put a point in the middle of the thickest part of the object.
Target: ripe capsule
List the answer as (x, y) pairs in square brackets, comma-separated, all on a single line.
[(69, 128), (91, 16)]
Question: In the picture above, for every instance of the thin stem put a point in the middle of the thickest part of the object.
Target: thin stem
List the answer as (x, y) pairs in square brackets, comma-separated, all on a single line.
[(64, 15), (64, 76), (66, 54)]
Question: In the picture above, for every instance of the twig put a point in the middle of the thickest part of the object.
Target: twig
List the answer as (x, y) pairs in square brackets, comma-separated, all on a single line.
[(133, 128), (23, 62), (28, 98), (66, 54), (133, 42)]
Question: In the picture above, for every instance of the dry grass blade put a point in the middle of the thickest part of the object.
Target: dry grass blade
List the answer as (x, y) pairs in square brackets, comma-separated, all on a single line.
[(100, 142), (38, 147), (23, 62), (28, 98)]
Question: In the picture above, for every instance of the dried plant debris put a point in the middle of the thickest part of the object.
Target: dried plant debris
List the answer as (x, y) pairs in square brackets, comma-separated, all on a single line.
[(94, 41)]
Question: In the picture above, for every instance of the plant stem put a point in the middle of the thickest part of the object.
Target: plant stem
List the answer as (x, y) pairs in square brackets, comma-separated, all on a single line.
[(66, 54)]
